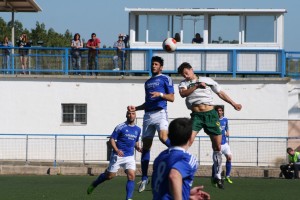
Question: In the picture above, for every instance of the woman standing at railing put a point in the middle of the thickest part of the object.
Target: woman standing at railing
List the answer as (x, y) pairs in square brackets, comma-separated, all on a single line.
[(76, 54), (6, 54), (23, 42)]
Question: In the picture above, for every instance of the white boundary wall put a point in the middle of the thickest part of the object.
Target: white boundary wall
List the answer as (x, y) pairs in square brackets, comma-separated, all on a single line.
[(32, 104)]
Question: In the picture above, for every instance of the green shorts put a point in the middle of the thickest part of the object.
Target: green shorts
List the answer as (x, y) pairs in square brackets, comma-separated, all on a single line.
[(209, 121)]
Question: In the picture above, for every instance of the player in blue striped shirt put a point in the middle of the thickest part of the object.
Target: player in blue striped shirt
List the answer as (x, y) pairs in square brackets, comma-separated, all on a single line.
[(124, 139), (174, 168), (159, 90)]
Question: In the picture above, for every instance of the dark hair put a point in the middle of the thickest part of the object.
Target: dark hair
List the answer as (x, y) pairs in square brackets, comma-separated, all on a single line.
[(157, 59), (183, 66), (219, 107), (289, 149), (76, 35), (180, 131), (177, 37), (93, 34)]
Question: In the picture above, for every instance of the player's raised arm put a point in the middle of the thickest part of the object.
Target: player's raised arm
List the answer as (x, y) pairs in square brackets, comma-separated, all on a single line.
[(136, 108), (226, 98), (168, 97)]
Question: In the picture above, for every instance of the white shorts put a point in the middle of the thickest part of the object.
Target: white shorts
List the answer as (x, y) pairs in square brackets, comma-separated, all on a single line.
[(116, 162), (225, 149), (154, 121)]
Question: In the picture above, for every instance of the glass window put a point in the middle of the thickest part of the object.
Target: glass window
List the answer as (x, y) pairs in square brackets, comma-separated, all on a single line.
[(141, 22), (175, 24), (192, 25), (260, 29), (224, 29), (158, 27), (74, 113)]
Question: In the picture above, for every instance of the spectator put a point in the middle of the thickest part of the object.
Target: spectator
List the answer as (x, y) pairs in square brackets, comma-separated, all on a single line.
[(76, 54), (126, 40), (177, 37), (93, 44), (197, 39), (119, 45), (24, 43), (6, 54), (294, 164)]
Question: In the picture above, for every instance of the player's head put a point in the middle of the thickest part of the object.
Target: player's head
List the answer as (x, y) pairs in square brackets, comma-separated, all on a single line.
[(130, 115), (180, 131), (290, 151), (157, 64), (220, 110), (186, 70)]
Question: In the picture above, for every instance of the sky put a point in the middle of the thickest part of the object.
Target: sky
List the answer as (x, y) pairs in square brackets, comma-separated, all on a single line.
[(108, 18)]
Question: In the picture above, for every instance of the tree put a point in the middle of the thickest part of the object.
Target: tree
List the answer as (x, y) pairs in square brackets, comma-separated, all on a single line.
[(49, 37), (39, 33), (4, 29)]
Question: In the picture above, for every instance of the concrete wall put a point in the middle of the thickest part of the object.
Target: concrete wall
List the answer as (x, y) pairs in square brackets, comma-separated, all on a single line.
[(32, 104)]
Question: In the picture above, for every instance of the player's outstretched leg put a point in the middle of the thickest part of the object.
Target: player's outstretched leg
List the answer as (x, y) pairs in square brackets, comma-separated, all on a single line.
[(144, 164), (101, 178), (217, 159), (212, 179)]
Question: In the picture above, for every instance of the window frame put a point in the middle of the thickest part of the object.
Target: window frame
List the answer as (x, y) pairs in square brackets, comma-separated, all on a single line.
[(74, 113)]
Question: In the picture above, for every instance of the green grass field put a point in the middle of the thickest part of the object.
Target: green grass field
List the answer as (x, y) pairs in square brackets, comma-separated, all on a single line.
[(74, 188)]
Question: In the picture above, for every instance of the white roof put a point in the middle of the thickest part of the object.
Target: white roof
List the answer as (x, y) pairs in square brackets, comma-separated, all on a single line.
[(198, 11)]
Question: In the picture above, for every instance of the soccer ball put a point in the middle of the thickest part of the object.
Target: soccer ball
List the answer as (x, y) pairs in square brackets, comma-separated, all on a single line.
[(169, 45)]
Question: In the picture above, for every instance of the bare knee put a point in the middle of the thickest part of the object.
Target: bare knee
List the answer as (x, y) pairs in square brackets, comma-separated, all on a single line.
[(130, 174), (163, 135), (228, 158), (110, 175)]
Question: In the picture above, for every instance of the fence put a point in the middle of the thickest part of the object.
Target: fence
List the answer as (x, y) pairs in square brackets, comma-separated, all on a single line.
[(227, 62), (56, 148)]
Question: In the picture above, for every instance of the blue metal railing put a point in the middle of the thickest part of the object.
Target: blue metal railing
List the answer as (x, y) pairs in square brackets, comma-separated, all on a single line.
[(233, 62), (293, 64)]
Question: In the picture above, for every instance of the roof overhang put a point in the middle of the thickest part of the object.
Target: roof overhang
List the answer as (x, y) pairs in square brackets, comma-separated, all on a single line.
[(201, 11), (19, 6)]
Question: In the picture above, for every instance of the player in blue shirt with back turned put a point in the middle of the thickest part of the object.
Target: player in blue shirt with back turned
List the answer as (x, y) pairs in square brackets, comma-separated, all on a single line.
[(159, 89), (174, 168), (124, 139)]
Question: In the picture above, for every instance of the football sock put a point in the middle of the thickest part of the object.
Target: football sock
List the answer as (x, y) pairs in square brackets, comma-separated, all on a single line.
[(212, 171), (168, 143), (228, 168), (217, 159), (101, 178), (129, 189), (145, 163)]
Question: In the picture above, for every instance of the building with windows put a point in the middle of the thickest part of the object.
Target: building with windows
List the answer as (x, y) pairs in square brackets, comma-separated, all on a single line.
[(242, 41)]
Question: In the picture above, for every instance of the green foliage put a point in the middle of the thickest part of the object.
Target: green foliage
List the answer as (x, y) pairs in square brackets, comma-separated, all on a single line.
[(50, 38)]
